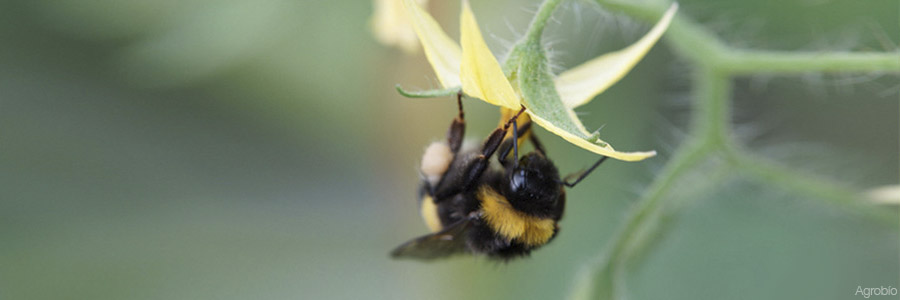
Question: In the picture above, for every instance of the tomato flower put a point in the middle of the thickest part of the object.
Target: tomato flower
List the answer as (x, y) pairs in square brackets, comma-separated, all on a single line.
[(549, 101)]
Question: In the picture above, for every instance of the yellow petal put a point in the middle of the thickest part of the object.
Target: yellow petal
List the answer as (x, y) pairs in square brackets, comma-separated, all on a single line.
[(506, 114), (606, 150), (480, 72), (579, 85), (391, 27), (442, 52)]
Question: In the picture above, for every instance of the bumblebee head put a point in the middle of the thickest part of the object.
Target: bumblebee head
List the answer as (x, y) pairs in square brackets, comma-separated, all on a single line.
[(533, 185)]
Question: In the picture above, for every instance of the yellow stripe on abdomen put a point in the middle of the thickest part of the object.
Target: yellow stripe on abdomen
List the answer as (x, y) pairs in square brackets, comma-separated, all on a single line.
[(429, 212), (511, 223)]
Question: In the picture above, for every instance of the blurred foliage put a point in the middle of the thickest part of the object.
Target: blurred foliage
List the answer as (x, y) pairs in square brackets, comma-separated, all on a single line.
[(257, 149)]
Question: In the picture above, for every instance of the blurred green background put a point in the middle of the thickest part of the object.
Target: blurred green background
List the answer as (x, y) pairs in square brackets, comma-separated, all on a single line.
[(257, 150)]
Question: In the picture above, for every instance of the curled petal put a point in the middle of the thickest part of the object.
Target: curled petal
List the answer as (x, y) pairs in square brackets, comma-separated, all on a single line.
[(442, 52), (481, 74), (579, 85), (598, 146)]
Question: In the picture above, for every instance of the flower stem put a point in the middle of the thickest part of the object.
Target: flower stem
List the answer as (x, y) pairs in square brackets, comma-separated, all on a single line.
[(749, 62), (684, 35), (716, 64), (835, 193), (599, 280), (536, 29), (712, 121)]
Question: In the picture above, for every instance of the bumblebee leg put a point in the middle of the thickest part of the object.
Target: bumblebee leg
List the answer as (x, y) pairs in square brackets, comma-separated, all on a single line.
[(537, 144), (454, 141), (458, 128), (482, 161), (490, 146), (493, 141), (503, 156), (583, 174), (508, 144)]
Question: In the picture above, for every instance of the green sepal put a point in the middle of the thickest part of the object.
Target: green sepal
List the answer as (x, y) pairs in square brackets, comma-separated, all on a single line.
[(428, 93)]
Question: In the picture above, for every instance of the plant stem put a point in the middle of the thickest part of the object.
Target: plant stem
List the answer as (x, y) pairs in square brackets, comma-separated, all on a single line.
[(835, 193), (702, 47), (688, 38), (536, 29), (749, 62), (716, 65), (603, 272), (712, 119)]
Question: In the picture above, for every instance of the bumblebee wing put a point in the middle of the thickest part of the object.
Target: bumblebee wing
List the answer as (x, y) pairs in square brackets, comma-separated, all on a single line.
[(447, 242)]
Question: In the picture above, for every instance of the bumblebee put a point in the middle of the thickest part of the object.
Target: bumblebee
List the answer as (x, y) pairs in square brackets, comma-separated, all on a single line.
[(471, 207)]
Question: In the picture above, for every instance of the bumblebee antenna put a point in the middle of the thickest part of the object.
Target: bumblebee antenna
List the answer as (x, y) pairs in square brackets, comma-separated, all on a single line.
[(515, 125), (583, 174), (515, 142)]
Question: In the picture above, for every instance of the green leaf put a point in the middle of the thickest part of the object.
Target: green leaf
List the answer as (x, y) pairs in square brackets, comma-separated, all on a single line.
[(428, 93)]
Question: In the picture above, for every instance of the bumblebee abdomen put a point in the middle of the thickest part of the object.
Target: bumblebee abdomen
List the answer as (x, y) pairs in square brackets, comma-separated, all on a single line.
[(512, 224)]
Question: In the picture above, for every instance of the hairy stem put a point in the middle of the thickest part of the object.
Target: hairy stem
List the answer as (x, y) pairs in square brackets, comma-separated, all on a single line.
[(835, 193), (599, 280), (689, 39), (716, 64), (750, 62), (536, 29), (712, 117)]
